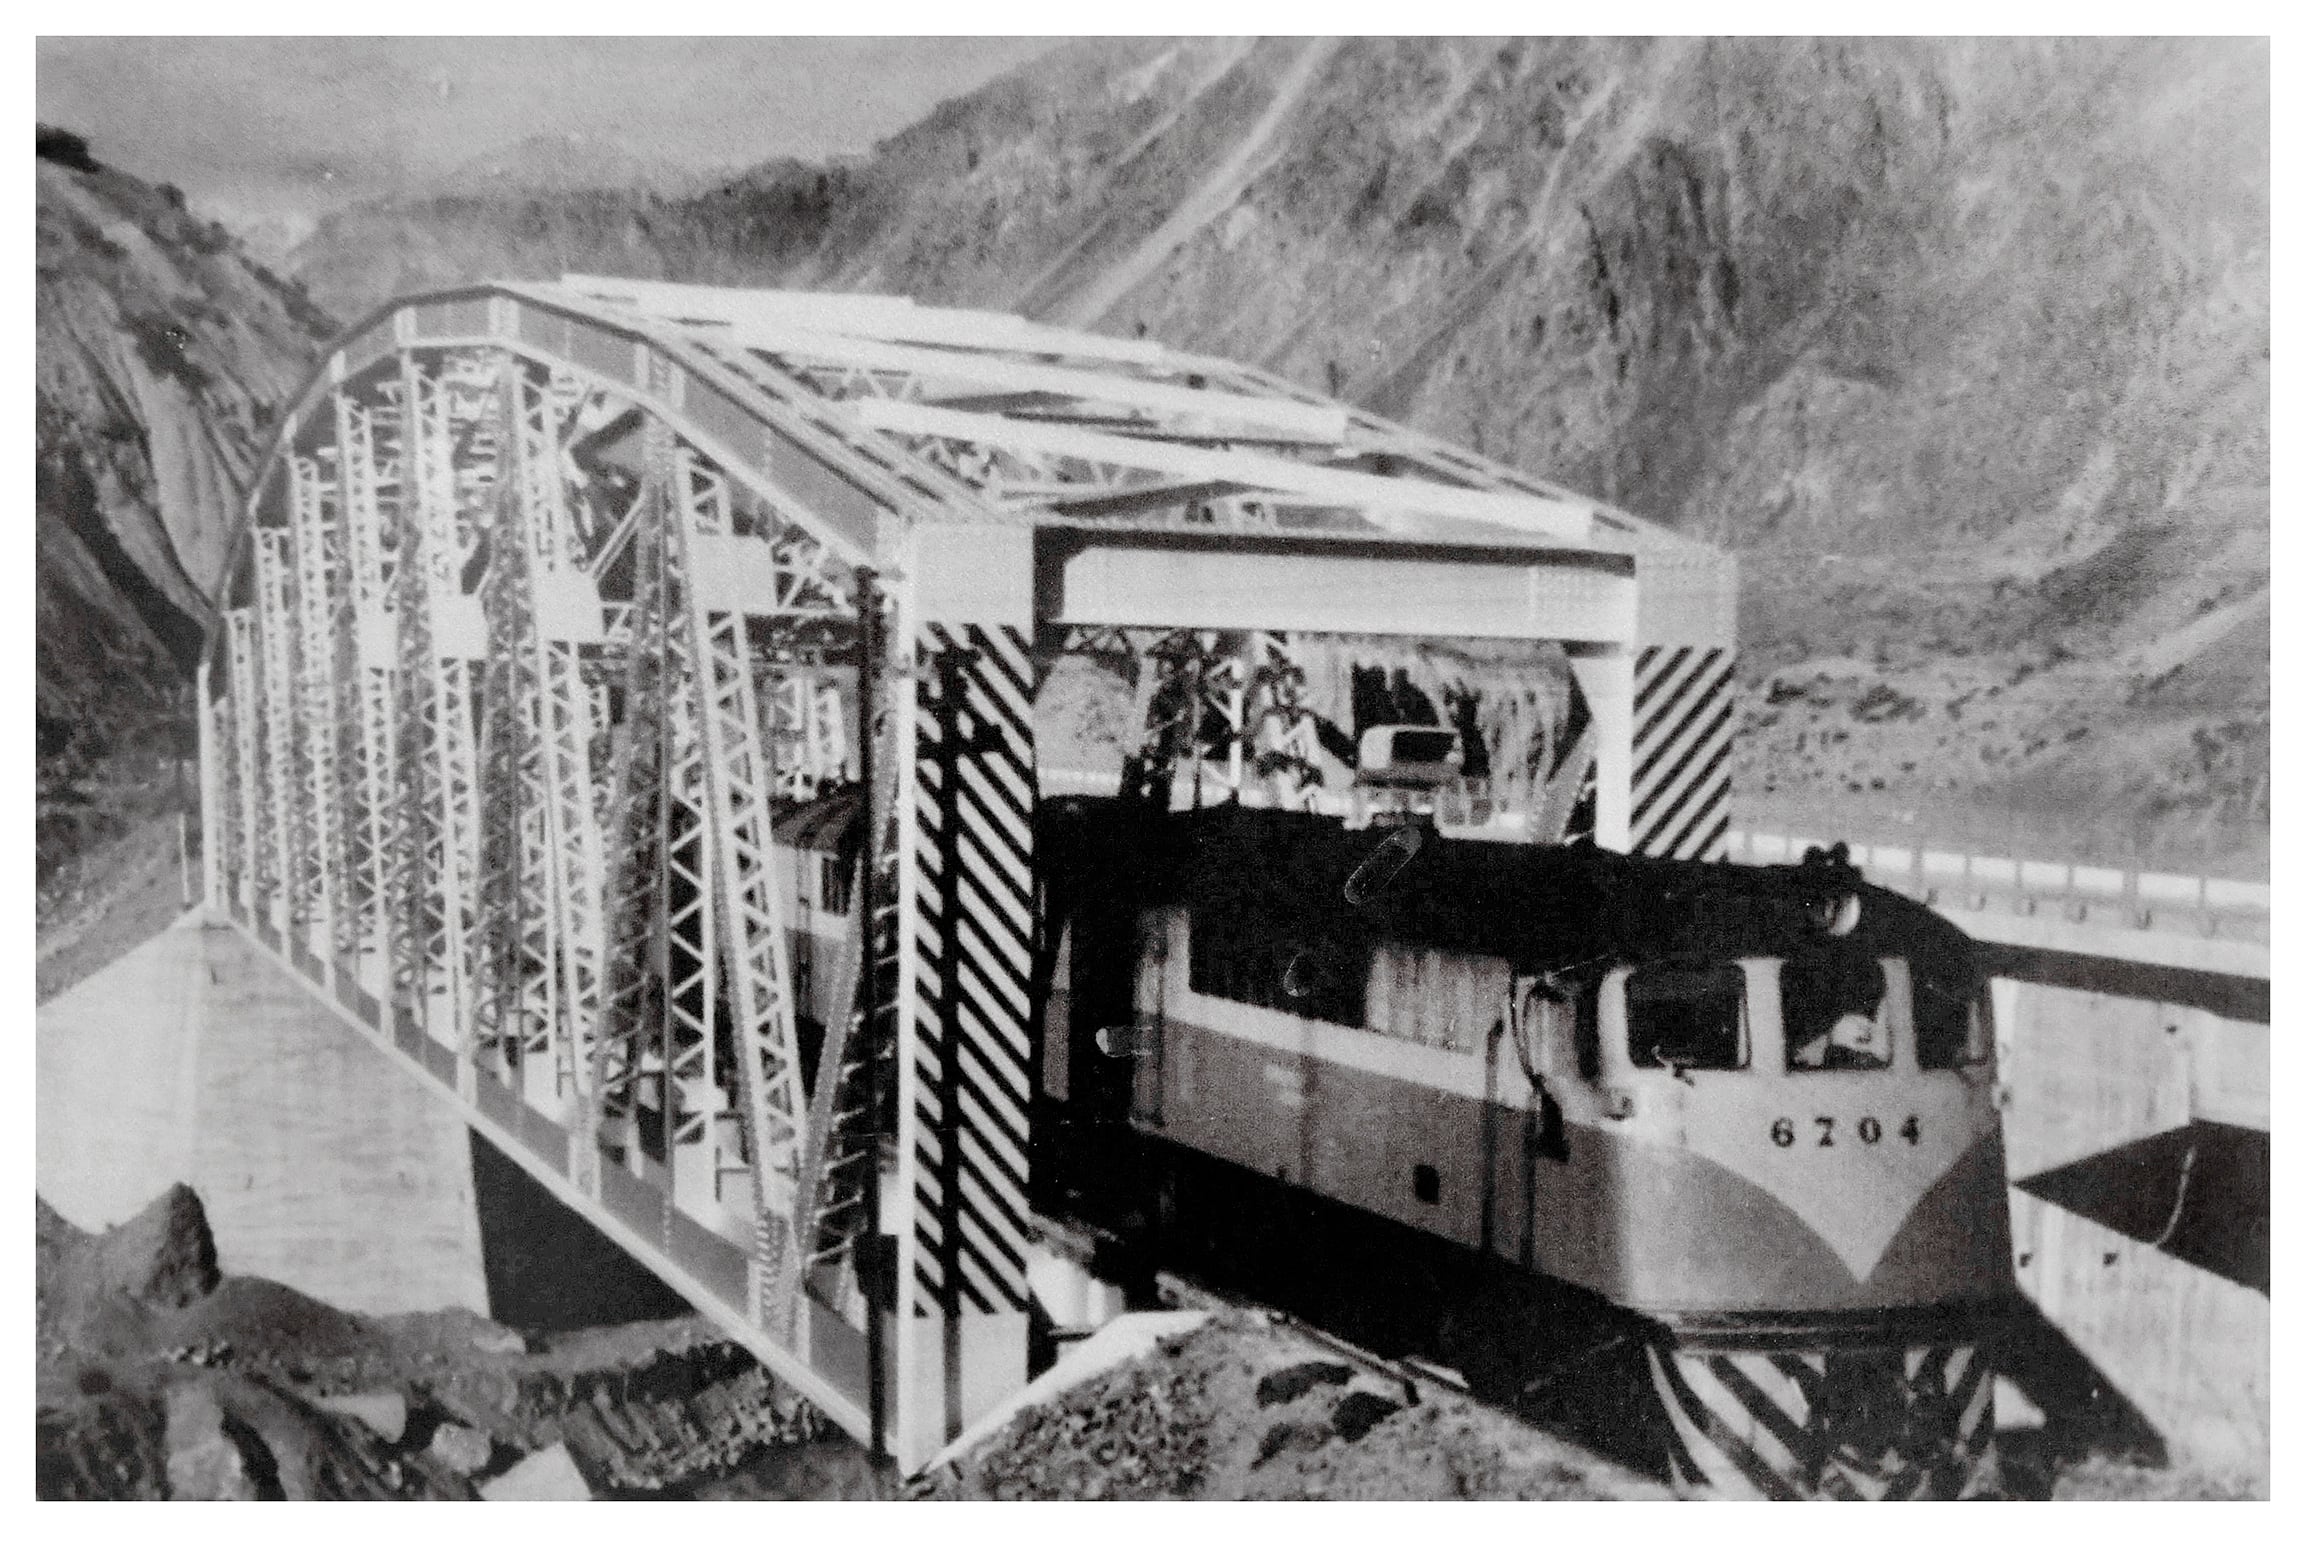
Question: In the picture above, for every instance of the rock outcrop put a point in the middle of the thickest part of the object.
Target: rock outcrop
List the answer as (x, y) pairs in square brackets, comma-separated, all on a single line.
[(160, 1377), (162, 353)]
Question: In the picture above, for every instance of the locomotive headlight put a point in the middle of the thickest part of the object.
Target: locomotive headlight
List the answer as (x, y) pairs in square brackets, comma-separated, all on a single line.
[(1120, 1041)]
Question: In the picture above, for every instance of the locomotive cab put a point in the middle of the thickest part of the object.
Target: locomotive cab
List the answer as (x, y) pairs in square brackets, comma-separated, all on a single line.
[(1793, 1133)]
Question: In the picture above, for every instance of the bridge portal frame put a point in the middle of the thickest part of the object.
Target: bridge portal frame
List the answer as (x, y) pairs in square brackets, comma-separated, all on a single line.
[(491, 741)]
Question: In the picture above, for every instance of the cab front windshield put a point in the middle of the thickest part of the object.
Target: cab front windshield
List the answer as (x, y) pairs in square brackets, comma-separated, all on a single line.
[(1833, 1013)]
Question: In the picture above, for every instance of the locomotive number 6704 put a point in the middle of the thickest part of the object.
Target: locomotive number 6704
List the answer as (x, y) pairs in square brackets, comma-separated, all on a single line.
[(1823, 1135)]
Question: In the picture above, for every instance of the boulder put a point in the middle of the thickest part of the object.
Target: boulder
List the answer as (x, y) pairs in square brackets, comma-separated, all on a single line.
[(489, 1339), (166, 1255), (383, 1413), (547, 1475), (462, 1448), (204, 1463)]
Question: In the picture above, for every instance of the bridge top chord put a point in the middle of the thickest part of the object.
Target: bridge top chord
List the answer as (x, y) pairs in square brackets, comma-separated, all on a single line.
[(955, 415)]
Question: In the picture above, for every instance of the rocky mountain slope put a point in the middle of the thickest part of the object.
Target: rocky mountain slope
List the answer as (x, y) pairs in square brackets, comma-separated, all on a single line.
[(163, 1377), (162, 351), (1962, 344)]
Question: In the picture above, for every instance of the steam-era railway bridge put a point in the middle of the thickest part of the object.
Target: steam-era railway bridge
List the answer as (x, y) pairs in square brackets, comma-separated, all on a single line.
[(553, 598), (560, 607)]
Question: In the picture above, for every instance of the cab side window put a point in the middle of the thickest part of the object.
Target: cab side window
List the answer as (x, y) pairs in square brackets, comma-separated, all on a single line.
[(1951, 1017), (1688, 1015)]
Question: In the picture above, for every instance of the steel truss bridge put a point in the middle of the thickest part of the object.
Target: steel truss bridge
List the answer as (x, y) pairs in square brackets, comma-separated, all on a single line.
[(554, 601)]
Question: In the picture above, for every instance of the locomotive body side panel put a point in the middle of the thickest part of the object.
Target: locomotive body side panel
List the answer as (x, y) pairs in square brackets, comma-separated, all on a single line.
[(1745, 1190), (1424, 1136)]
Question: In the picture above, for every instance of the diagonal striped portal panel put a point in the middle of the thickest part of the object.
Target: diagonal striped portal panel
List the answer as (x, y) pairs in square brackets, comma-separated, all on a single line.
[(974, 929), (1681, 752)]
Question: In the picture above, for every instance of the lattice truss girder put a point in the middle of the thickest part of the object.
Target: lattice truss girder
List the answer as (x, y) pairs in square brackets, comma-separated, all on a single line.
[(246, 854), (278, 874), (365, 459), (739, 778), (518, 1010), (437, 782), (517, 683)]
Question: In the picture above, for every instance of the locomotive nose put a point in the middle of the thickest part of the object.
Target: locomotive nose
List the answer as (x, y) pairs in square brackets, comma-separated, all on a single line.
[(1845, 1418)]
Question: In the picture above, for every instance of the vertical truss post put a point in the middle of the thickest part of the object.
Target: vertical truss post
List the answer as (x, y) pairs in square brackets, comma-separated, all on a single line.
[(368, 651), (275, 645), (346, 754), (873, 871), (215, 800), (916, 1297), (378, 760), (565, 735), (969, 932), (740, 778), (835, 1201), (247, 765), (694, 1099), (517, 1011), (576, 857), (320, 823), (438, 771), (632, 1027)]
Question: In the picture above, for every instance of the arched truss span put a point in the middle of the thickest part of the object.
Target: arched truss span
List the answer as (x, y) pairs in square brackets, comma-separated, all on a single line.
[(535, 625)]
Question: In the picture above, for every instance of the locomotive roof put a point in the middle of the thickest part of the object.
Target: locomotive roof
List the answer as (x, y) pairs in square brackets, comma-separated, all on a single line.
[(1539, 907)]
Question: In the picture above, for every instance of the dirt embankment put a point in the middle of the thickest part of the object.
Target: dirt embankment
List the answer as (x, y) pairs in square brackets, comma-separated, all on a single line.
[(1243, 1409), (159, 1377)]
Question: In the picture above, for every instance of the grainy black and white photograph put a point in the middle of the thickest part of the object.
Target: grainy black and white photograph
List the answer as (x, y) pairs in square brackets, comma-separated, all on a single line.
[(1216, 768)]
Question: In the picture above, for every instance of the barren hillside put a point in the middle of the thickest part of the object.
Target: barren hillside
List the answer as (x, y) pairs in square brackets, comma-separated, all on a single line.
[(1962, 344), (162, 352)]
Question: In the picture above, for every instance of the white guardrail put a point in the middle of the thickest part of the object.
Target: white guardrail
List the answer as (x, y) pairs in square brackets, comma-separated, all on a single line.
[(2197, 905)]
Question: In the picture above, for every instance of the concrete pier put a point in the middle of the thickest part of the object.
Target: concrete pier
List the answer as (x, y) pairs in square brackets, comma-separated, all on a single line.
[(2136, 1140), (195, 1059)]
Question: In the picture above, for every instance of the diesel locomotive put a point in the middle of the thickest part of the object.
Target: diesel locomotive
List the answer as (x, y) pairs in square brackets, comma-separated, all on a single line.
[(1748, 1113), (1734, 1127)]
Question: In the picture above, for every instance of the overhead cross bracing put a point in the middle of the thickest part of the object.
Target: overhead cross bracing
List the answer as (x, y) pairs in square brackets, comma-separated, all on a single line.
[(555, 603), (1040, 417)]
